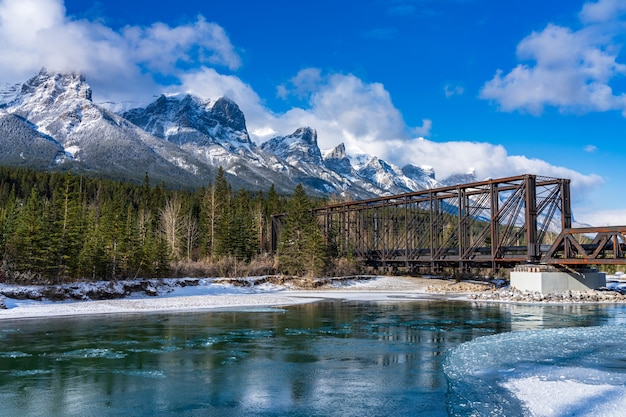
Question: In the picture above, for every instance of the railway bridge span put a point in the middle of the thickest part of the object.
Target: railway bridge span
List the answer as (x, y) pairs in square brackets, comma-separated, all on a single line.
[(497, 223)]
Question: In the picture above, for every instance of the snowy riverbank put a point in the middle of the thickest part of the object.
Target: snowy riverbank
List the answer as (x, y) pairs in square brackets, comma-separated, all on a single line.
[(174, 295), (193, 294)]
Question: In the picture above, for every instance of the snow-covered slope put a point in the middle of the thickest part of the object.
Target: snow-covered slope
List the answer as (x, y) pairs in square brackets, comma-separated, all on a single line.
[(51, 122), (58, 107)]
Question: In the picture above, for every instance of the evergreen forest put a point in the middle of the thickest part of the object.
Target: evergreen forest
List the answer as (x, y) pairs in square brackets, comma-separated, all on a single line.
[(63, 227)]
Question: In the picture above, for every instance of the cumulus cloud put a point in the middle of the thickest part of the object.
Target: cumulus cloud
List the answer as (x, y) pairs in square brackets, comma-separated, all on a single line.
[(591, 148), (599, 218), (344, 108), (567, 69), (486, 159), (36, 33), (602, 11), (302, 84)]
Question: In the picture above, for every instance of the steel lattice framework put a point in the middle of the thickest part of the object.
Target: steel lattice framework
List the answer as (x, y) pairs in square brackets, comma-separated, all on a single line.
[(495, 223)]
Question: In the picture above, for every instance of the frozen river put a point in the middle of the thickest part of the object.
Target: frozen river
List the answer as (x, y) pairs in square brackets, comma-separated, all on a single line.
[(413, 358)]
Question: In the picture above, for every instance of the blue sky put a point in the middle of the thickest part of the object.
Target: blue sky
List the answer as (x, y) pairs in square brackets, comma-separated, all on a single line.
[(500, 87)]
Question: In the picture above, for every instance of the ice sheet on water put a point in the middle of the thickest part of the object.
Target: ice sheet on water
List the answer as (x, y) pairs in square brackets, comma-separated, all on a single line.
[(14, 354), (93, 353), (554, 372), (31, 372), (152, 374)]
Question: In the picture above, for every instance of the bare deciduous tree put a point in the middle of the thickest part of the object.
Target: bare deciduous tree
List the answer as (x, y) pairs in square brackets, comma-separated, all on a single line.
[(172, 225), (190, 227)]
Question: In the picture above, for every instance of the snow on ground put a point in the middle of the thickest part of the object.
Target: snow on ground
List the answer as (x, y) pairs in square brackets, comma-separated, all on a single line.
[(553, 398), (212, 295)]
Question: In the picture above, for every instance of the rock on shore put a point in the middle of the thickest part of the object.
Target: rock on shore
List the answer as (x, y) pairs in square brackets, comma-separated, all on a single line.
[(101, 290), (508, 294), (487, 291)]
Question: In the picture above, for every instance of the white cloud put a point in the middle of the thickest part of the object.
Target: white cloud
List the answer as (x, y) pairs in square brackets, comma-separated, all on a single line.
[(487, 160), (424, 129), (453, 90), (567, 69), (341, 107), (591, 148), (36, 33), (302, 84), (602, 11), (599, 218)]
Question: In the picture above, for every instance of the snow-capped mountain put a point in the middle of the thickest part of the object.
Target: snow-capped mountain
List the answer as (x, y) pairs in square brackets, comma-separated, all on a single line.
[(184, 118), (460, 178), (302, 154), (51, 122), (298, 148), (87, 138)]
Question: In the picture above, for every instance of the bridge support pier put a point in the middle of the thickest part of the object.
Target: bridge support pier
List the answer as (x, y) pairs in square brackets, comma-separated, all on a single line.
[(547, 279)]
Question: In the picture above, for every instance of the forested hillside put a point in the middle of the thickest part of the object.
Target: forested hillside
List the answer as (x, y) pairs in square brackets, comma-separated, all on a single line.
[(62, 227)]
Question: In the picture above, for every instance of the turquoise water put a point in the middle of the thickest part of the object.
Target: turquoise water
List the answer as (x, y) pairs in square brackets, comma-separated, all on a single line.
[(331, 358)]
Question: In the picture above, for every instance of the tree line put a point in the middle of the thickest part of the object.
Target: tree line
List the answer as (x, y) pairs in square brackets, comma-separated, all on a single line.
[(63, 227)]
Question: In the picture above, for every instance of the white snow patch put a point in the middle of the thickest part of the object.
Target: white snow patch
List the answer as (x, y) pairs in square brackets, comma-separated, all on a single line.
[(181, 163), (72, 150), (554, 398)]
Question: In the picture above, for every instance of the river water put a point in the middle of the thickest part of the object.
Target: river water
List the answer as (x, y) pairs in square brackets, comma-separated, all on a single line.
[(413, 358)]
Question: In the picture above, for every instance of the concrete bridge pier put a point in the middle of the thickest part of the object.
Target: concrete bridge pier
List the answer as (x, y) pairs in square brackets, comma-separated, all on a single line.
[(548, 279)]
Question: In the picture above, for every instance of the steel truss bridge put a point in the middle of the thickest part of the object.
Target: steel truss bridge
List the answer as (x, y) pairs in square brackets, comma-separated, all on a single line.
[(494, 224)]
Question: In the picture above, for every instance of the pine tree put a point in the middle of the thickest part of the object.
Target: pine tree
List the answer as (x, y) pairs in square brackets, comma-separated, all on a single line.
[(92, 258), (243, 232), (222, 216), (65, 228), (8, 216), (301, 249), (27, 246)]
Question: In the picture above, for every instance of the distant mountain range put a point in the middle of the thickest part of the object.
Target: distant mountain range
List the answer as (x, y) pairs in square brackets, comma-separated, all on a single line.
[(51, 122)]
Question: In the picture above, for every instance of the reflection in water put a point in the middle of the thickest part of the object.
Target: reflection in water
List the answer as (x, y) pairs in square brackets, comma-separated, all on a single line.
[(330, 358)]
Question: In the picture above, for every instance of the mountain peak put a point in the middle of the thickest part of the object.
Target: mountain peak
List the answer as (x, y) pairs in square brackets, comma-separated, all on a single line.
[(181, 138), (337, 160), (413, 171), (300, 146), (184, 118), (337, 153), (49, 86), (228, 113), (307, 134)]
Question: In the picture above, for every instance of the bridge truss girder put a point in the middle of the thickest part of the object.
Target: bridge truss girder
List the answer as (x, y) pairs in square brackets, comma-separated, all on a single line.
[(588, 246), (491, 223)]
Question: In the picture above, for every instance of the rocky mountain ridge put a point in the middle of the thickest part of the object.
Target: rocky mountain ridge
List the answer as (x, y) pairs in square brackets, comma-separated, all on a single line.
[(51, 122)]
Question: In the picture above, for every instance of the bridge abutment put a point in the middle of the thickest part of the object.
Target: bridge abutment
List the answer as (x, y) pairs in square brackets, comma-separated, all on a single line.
[(548, 279)]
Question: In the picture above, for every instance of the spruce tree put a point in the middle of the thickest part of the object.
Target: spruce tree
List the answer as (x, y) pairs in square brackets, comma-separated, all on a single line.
[(222, 216), (301, 249), (65, 227), (27, 246)]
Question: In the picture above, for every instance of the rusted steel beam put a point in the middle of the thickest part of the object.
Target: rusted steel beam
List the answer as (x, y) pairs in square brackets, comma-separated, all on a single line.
[(494, 222), (606, 248), (505, 184)]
